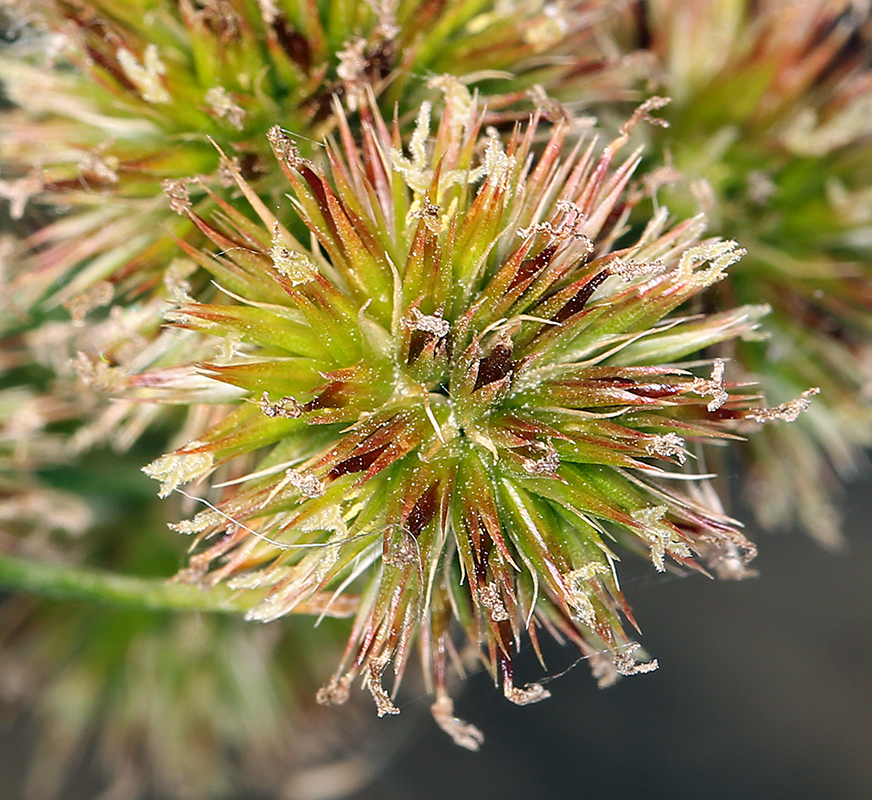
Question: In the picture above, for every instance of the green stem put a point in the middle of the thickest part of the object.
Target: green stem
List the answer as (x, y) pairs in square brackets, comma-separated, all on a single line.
[(75, 583)]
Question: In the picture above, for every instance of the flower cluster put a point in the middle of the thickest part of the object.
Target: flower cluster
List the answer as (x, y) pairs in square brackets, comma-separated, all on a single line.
[(465, 396), (430, 358)]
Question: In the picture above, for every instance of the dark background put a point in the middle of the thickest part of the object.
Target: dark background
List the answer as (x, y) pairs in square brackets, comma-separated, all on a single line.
[(764, 691)]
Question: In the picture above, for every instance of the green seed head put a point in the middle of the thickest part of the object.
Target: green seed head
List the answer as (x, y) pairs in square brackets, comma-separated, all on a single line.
[(464, 396)]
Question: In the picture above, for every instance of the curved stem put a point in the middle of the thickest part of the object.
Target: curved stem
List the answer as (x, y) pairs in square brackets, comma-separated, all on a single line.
[(76, 583)]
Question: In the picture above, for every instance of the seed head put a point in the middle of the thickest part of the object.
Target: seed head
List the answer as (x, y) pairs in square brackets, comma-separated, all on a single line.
[(462, 425)]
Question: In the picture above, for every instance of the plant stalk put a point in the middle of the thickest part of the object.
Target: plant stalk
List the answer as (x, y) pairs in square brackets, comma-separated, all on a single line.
[(61, 581)]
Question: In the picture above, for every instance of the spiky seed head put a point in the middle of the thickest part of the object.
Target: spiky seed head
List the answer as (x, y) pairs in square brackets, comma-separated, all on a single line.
[(460, 426)]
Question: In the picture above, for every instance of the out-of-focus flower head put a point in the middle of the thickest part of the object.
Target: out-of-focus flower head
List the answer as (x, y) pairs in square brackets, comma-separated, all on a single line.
[(772, 126), (187, 706), (112, 97), (463, 397)]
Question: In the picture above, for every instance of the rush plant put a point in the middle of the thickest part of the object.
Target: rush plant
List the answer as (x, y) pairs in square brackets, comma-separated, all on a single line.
[(408, 346)]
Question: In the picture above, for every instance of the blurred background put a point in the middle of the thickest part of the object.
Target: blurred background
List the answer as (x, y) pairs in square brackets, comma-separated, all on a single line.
[(764, 691)]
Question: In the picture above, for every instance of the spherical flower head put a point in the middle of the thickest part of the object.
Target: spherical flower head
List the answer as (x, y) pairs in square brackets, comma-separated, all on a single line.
[(770, 125), (466, 399)]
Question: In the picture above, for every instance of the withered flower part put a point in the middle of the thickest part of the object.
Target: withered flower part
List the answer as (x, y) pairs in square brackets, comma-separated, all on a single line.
[(462, 402)]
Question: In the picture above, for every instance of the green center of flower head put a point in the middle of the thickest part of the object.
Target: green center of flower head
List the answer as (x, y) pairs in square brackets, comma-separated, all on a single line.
[(470, 397)]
